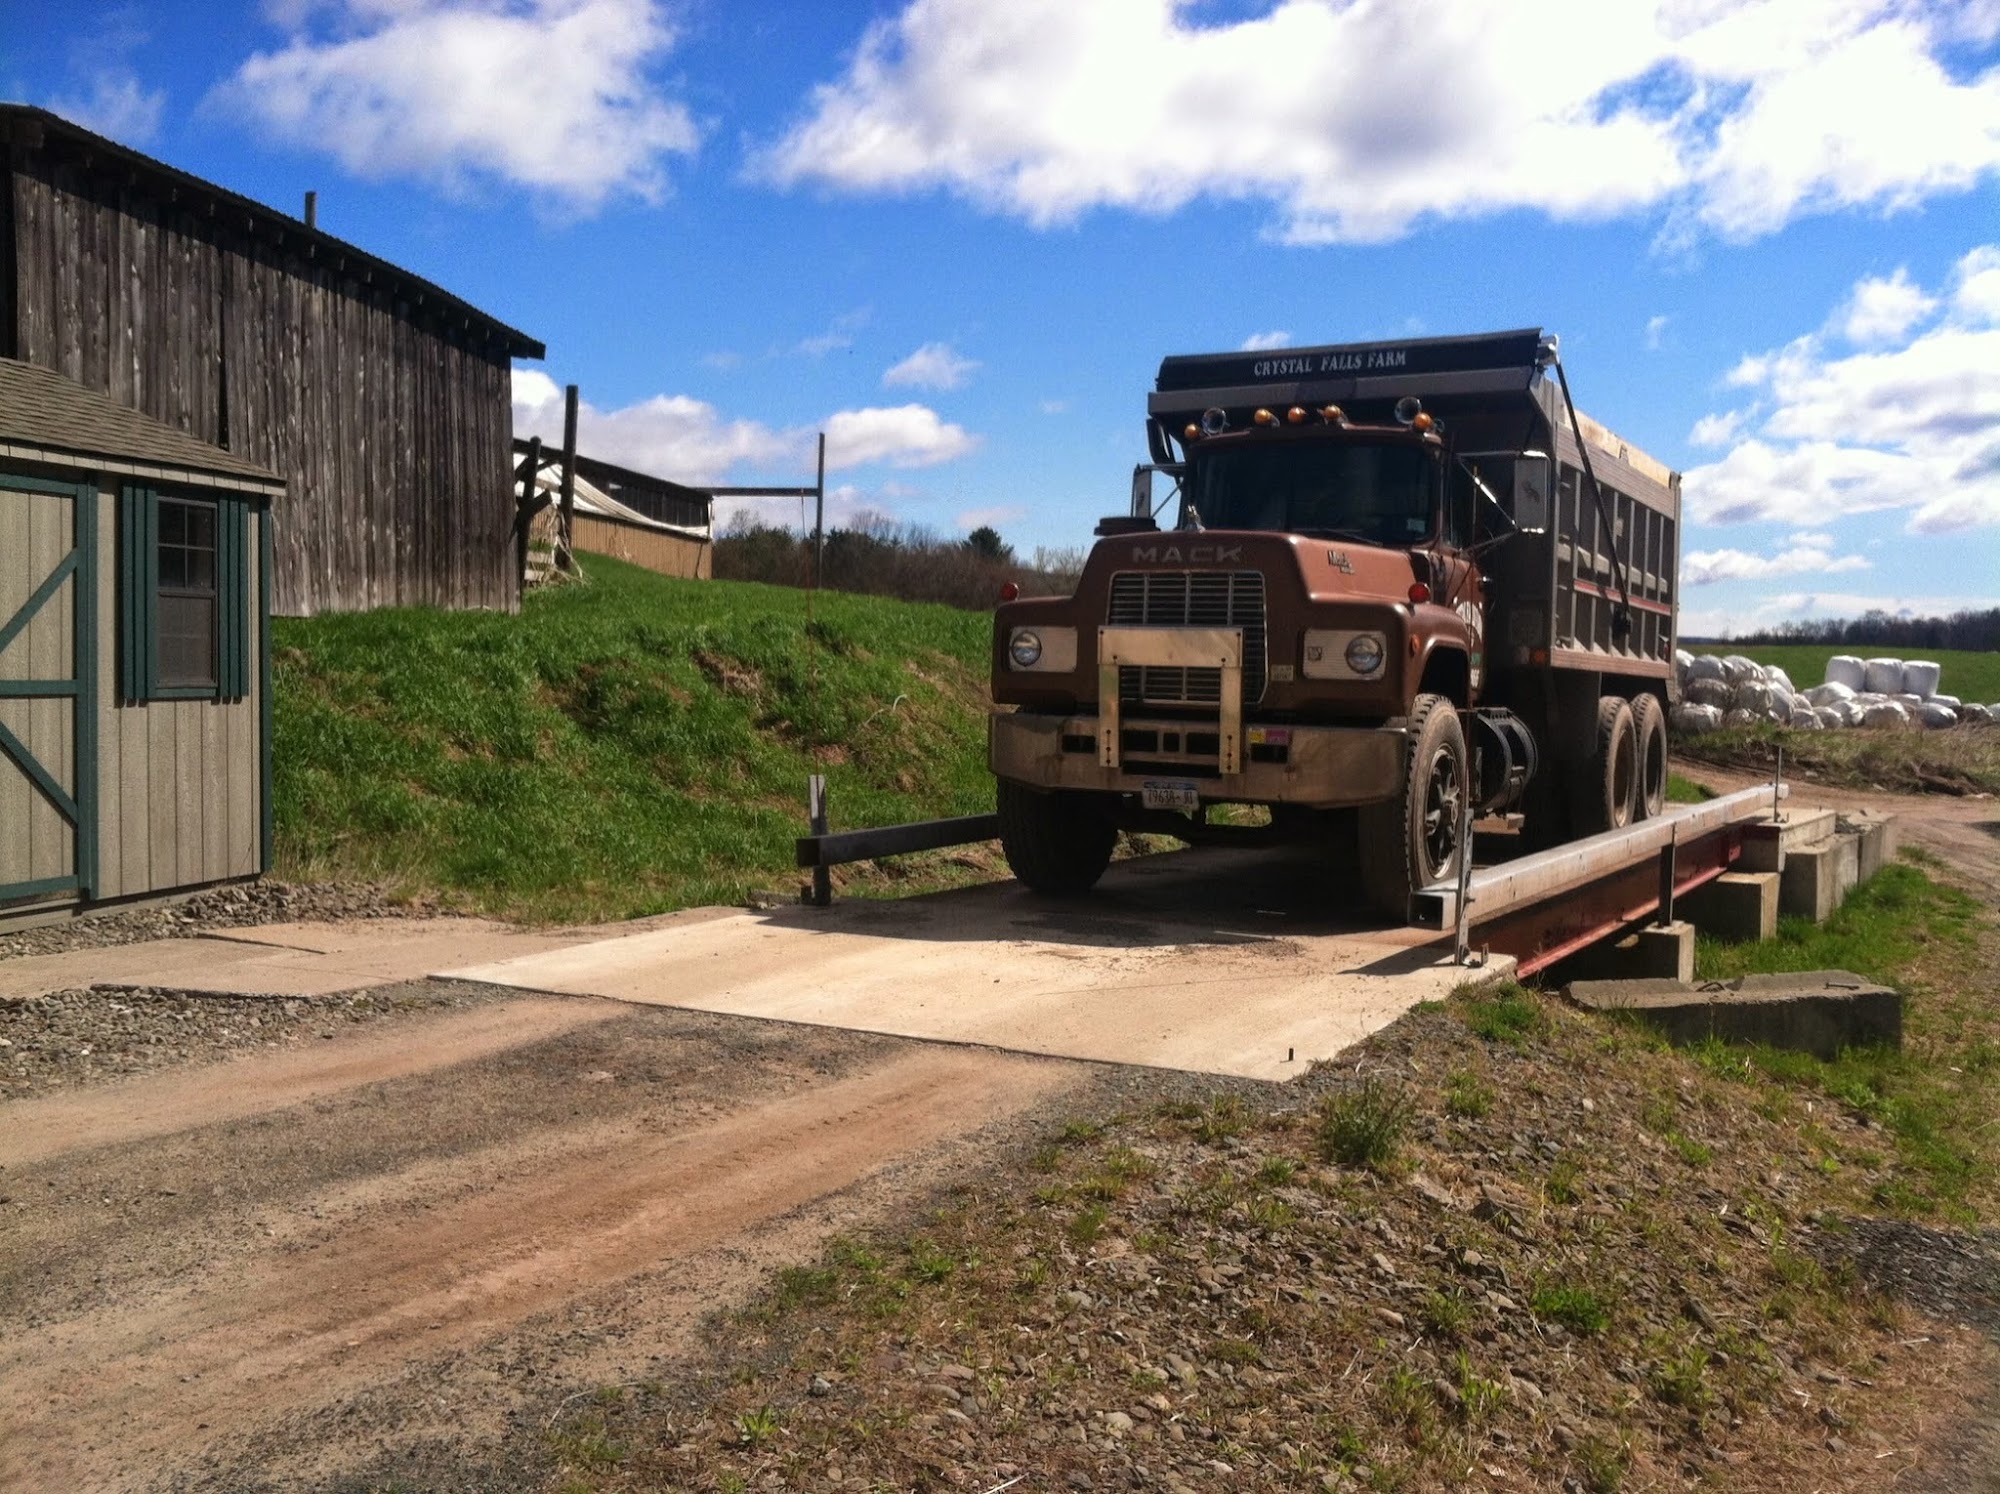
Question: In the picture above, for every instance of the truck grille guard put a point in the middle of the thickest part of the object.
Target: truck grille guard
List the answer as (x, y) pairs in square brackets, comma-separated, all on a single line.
[(1218, 651), (1189, 599)]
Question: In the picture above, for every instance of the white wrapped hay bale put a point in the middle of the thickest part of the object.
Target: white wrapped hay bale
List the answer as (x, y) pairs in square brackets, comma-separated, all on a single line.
[(1827, 694), (1921, 676), (1885, 676), (1754, 696), (1739, 669), (1775, 673), (1885, 713), (1845, 669), (1706, 667), (1975, 715), (1693, 720), (1804, 718), (1849, 711), (1935, 716), (1737, 716), (1907, 701), (1683, 660), (1829, 717), (1708, 693), (1950, 702)]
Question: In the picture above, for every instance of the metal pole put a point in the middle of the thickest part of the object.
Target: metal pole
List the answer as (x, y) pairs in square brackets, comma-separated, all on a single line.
[(819, 514), (312, 210), (1665, 915), (566, 556), (822, 890)]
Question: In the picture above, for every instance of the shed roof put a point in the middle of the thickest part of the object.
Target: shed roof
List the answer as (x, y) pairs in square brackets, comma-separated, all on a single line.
[(48, 418), (27, 125)]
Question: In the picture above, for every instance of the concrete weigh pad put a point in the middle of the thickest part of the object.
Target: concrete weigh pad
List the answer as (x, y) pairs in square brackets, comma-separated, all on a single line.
[(1207, 961), (286, 959)]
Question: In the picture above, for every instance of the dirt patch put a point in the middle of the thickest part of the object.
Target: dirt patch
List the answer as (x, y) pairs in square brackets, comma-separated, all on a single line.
[(259, 1269), (71, 1039), (241, 906)]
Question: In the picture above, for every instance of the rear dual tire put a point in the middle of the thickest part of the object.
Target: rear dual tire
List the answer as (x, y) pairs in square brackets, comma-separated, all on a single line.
[(1625, 777)]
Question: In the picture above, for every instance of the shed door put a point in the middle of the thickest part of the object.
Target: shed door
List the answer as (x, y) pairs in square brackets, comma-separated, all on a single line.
[(48, 689)]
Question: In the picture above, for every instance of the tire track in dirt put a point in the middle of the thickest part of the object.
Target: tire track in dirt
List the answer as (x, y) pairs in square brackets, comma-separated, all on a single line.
[(182, 1100), (112, 1397)]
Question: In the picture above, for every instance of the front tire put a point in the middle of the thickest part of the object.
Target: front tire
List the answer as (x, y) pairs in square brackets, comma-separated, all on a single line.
[(1056, 844), (1416, 838), (1649, 729)]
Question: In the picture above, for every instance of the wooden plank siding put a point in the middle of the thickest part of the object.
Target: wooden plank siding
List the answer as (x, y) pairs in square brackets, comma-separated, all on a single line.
[(669, 554), (179, 782), (390, 423)]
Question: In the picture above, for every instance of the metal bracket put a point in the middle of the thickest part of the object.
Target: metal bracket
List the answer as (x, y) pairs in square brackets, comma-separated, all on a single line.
[(1171, 648)]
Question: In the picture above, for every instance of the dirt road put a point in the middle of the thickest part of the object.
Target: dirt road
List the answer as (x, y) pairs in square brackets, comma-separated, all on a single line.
[(272, 1269)]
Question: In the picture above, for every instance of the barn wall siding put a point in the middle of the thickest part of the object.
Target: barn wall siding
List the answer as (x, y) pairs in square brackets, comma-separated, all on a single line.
[(391, 430)]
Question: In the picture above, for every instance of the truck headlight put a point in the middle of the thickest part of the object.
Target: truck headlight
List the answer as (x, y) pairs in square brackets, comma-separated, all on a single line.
[(1343, 654), (1364, 653), (1044, 650)]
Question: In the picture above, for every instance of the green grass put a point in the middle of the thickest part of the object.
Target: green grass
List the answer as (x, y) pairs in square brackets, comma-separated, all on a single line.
[(1965, 760), (1935, 1096), (622, 747), (1684, 791), (1968, 674)]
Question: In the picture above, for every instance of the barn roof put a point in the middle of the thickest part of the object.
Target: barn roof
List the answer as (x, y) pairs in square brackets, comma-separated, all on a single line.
[(45, 417), (27, 125)]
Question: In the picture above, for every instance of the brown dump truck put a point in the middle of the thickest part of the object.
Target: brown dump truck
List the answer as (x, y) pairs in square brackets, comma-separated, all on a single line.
[(1388, 588)]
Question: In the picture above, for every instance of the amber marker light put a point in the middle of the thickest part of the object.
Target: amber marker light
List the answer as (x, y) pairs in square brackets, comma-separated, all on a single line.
[(1423, 422), (1296, 415), (1193, 431), (1265, 417), (1333, 415)]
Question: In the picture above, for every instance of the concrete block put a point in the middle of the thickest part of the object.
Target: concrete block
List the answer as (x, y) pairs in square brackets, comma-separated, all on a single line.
[(1817, 878), (1664, 951), (1875, 837), (1814, 1011), (1738, 906), (1765, 842)]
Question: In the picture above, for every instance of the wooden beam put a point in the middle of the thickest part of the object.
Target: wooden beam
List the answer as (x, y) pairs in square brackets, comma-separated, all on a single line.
[(895, 840), (566, 557)]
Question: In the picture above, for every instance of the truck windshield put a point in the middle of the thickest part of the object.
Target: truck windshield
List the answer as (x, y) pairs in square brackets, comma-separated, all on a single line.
[(1381, 495)]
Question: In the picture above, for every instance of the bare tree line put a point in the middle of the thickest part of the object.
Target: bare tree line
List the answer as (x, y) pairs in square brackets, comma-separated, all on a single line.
[(877, 556), (1976, 630)]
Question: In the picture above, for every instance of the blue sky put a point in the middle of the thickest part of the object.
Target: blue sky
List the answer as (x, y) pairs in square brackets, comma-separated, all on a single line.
[(959, 234)]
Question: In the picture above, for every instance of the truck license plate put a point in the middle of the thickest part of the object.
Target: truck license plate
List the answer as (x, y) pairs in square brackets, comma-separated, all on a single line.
[(1170, 793)]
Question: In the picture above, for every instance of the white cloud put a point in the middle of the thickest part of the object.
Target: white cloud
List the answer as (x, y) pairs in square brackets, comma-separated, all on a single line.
[(1263, 342), (1883, 311), (1717, 430), (722, 361), (933, 366), (1656, 329), (1055, 407), (117, 105), (1705, 567), (902, 436), (551, 95), (688, 440), (1914, 425), (1735, 116), (838, 336)]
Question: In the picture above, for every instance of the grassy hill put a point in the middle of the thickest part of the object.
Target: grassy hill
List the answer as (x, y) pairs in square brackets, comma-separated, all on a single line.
[(1967, 674), (621, 747)]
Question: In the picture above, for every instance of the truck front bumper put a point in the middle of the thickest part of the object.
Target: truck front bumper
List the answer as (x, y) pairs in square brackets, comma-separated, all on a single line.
[(1321, 767)]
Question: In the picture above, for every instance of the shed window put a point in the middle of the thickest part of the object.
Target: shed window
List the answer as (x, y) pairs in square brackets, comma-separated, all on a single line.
[(183, 597), (186, 639)]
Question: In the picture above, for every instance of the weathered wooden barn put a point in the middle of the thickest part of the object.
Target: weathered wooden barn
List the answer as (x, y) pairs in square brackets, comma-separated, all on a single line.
[(382, 400), (135, 704)]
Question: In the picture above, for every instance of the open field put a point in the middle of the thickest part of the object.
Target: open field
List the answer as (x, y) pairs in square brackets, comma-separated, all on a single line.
[(1968, 674), (622, 747)]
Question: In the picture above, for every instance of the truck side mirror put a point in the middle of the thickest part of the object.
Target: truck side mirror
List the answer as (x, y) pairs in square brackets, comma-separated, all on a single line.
[(1142, 493), (1529, 508)]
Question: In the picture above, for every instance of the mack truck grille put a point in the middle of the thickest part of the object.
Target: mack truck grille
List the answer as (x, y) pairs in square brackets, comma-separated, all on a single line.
[(1189, 599)]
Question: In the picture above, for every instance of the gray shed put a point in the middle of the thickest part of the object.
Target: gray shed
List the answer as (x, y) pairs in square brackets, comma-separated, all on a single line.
[(135, 706)]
